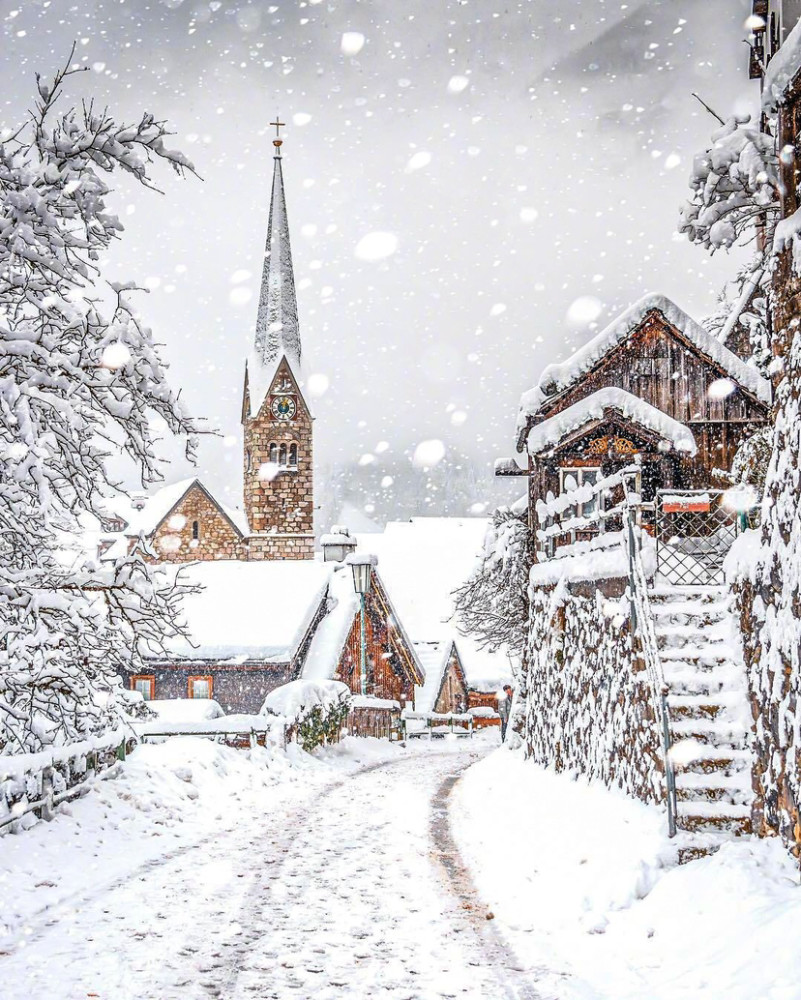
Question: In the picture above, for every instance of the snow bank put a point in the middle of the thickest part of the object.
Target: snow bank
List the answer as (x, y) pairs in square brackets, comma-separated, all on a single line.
[(592, 890), (550, 432), (165, 796), (185, 709)]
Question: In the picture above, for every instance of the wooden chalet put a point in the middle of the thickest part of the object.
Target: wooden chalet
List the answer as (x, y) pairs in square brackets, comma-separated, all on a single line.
[(652, 389), (392, 666), (445, 687)]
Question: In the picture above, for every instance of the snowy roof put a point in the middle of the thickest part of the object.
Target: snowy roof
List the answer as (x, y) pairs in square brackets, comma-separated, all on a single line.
[(422, 561), (250, 610), (434, 657), (329, 637), (277, 330), (558, 377), (782, 70), (550, 432)]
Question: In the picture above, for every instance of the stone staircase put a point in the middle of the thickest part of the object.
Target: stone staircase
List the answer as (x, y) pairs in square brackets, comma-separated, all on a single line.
[(709, 715)]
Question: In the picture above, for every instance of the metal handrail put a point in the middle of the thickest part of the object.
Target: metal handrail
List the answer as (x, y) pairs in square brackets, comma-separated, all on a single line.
[(643, 624)]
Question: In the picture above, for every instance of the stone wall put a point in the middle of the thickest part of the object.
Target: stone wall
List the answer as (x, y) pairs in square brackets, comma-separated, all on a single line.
[(217, 538), (589, 706), (284, 504), (768, 591), (275, 545)]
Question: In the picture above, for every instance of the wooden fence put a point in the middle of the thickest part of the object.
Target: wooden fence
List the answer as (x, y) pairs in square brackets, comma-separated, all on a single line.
[(37, 783)]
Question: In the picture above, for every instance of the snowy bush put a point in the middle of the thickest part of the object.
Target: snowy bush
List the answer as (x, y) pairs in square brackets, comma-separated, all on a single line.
[(315, 710), (80, 379)]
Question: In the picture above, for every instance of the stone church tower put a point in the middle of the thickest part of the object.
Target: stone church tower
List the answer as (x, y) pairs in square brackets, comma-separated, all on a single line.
[(277, 422)]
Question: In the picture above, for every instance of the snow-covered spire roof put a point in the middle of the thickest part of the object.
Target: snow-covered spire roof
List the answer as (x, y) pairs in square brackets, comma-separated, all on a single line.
[(277, 330)]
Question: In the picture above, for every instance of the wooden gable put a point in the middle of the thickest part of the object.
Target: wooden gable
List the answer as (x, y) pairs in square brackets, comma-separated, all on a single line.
[(612, 436), (393, 669), (452, 695), (658, 364)]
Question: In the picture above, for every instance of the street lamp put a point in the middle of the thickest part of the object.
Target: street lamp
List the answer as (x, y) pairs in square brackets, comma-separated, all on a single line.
[(362, 568)]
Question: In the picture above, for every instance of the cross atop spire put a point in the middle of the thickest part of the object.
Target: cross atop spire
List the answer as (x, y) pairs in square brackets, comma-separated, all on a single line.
[(278, 141), (277, 330)]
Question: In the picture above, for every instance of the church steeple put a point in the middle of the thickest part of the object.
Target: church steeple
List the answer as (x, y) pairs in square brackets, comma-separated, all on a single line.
[(277, 423), (277, 330)]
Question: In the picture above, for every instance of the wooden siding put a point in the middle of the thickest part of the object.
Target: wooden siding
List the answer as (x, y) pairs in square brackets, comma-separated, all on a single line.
[(679, 386), (656, 364), (238, 687), (390, 665), (452, 695)]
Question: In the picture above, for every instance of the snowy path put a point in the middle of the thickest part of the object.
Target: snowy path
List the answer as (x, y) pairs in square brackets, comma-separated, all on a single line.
[(358, 894)]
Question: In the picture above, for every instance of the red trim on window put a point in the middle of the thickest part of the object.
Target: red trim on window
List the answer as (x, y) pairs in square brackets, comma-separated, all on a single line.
[(201, 677), (151, 678)]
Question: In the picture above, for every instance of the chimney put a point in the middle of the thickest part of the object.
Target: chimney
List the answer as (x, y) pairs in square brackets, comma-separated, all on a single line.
[(337, 544)]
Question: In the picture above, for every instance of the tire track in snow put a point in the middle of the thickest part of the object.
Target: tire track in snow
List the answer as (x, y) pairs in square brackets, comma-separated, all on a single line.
[(491, 955), (513, 977)]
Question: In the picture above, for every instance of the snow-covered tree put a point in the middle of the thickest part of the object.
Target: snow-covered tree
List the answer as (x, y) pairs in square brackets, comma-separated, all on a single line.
[(493, 604), (742, 317), (735, 188), (80, 378)]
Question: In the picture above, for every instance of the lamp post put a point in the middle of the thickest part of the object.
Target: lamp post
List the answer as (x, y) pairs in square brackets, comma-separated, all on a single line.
[(362, 567)]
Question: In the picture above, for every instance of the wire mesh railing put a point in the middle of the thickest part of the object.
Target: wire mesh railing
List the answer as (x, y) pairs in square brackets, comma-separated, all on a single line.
[(695, 529)]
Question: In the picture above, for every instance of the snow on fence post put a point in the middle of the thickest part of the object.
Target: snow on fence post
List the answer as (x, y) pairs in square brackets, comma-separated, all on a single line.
[(47, 810)]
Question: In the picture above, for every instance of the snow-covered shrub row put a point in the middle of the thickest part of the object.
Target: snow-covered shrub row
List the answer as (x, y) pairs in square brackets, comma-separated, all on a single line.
[(588, 708), (315, 711)]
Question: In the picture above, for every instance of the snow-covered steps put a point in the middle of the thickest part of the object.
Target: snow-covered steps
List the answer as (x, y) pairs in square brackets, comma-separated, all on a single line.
[(710, 721)]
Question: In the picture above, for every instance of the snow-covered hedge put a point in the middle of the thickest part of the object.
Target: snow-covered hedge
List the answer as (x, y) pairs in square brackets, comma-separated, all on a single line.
[(315, 711), (588, 708)]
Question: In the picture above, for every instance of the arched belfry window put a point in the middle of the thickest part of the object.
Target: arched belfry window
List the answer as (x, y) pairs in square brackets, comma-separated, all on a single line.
[(273, 452), (282, 455), (293, 456)]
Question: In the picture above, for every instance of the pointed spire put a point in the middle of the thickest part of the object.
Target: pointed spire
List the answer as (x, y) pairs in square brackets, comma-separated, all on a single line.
[(277, 330)]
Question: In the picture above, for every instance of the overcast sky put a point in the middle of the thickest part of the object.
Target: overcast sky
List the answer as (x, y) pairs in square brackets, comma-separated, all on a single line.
[(528, 157)]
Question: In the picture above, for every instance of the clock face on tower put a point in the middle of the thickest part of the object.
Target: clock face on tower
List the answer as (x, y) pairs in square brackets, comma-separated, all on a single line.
[(283, 407)]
